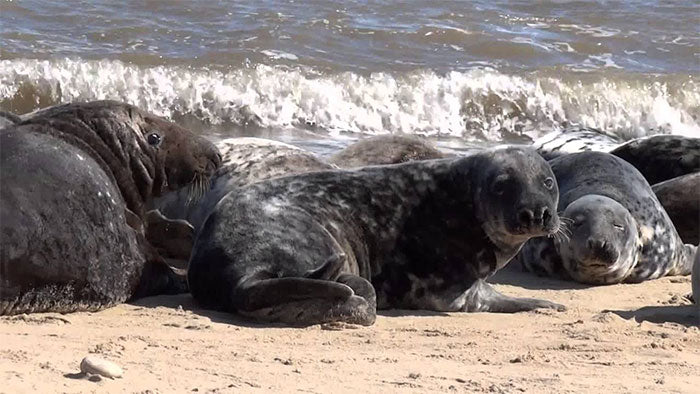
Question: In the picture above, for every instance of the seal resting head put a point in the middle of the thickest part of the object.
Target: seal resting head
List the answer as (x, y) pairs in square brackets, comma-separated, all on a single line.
[(145, 154), (602, 243)]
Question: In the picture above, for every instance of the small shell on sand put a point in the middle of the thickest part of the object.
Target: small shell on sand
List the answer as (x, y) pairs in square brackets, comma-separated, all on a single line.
[(94, 365)]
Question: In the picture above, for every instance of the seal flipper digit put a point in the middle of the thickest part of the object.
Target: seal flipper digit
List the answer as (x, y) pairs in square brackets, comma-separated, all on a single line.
[(482, 297)]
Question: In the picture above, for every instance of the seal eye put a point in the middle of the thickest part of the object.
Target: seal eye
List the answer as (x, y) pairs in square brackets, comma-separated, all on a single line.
[(618, 227), (154, 139), (549, 183)]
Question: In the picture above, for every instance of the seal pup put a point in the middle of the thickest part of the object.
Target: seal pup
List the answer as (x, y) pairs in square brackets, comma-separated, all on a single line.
[(73, 189), (619, 232), (336, 245), (662, 157), (575, 139), (385, 149), (244, 161), (680, 197)]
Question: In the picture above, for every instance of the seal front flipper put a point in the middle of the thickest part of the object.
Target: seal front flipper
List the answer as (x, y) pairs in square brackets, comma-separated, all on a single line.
[(482, 297), (173, 238), (302, 301)]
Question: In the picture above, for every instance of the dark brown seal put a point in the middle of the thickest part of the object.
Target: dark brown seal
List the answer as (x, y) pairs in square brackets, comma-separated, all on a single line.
[(73, 189), (335, 245)]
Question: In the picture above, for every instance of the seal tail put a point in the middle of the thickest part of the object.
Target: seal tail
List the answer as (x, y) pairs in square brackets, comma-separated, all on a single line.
[(684, 262), (305, 301)]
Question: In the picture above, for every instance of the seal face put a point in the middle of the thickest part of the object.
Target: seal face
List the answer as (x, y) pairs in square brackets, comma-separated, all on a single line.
[(74, 183), (662, 157), (335, 245), (617, 229)]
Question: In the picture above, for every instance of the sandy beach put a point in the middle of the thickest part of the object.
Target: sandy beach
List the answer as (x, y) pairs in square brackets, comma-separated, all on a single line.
[(618, 339)]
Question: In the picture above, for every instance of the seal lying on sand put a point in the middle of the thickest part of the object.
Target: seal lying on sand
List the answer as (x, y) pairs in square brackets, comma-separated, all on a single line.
[(662, 157), (575, 139), (72, 177), (619, 232), (385, 149), (313, 248), (680, 197), (245, 161)]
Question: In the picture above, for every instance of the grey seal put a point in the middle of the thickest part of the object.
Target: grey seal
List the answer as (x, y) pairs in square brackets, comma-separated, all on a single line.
[(385, 149), (336, 245), (575, 139), (8, 119), (75, 182), (619, 232), (680, 197), (244, 161), (661, 157)]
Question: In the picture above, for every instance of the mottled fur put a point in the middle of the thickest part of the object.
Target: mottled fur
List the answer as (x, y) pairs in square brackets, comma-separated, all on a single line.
[(334, 245), (619, 230)]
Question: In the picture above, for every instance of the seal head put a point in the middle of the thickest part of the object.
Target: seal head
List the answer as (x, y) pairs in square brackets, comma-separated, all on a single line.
[(602, 245), (516, 198)]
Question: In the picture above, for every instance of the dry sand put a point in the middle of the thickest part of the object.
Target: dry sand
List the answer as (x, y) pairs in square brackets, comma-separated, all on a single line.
[(613, 339)]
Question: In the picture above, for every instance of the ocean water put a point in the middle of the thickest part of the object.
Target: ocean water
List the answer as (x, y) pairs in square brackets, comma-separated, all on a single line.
[(326, 72)]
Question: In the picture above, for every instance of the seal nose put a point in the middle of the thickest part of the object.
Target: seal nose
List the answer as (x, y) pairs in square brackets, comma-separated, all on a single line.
[(602, 249), (539, 217)]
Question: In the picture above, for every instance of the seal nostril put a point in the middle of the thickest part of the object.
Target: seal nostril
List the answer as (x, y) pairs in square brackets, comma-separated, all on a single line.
[(525, 217), (546, 216)]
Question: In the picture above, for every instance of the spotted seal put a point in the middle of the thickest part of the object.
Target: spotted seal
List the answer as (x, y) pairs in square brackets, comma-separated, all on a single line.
[(662, 157), (619, 232), (244, 161), (575, 139), (335, 245), (75, 182), (385, 149), (680, 198)]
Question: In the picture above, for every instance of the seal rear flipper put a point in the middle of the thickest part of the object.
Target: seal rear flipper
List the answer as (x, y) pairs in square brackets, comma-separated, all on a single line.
[(302, 302), (482, 297)]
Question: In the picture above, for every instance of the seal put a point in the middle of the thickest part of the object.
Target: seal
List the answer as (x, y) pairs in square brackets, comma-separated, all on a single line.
[(8, 119), (619, 232), (575, 139), (385, 149), (336, 245), (244, 161), (662, 157), (74, 185), (680, 197), (695, 281)]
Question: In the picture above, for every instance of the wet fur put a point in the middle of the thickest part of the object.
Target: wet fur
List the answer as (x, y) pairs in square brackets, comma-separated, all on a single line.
[(74, 184)]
